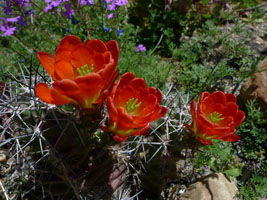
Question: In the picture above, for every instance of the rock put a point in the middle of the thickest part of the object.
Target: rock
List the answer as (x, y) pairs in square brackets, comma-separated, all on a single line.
[(2, 157), (259, 45), (212, 187), (256, 86)]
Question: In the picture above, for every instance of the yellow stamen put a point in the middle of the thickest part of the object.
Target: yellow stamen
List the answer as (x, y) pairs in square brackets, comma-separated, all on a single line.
[(84, 70), (216, 117), (131, 105)]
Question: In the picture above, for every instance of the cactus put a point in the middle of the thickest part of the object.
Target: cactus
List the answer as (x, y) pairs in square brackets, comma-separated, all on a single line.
[(71, 158)]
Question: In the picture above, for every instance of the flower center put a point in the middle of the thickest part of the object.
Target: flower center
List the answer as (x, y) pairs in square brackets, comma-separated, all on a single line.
[(132, 105), (84, 70), (216, 117)]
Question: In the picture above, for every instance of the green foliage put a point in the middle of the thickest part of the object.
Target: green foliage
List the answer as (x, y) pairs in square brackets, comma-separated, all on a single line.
[(255, 188), (253, 132), (246, 3), (219, 157), (213, 55), (160, 28), (44, 31), (150, 67)]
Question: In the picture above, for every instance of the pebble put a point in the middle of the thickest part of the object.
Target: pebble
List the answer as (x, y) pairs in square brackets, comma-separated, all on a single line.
[(2, 157)]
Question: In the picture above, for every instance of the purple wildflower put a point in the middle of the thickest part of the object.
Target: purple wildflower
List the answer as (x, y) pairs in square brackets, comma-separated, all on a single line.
[(22, 3), (105, 29), (7, 30), (29, 12), (74, 20), (121, 2), (140, 48), (110, 16), (7, 8), (22, 22), (119, 32), (47, 8), (112, 6), (14, 19), (86, 2), (69, 12)]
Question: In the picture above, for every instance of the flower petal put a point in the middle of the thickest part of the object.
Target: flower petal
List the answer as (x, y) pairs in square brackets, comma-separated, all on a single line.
[(50, 96), (97, 45), (231, 109), (66, 87), (82, 55), (120, 138), (48, 61), (230, 98), (125, 121), (138, 83), (91, 81), (69, 42), (98, 62), (113, 47), (112, 110), (193, 109), (239, 118), (64, 69), (157, 93), (231, 138), (219, 97), (204, 95)]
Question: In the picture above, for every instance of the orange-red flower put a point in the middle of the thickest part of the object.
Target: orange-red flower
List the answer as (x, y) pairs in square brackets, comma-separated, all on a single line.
[(132, 106), (82, 72), (216, 117)]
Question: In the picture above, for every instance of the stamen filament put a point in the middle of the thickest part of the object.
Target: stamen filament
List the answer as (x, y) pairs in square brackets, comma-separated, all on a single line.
[(216, 117), (132, 105), (84, 70)]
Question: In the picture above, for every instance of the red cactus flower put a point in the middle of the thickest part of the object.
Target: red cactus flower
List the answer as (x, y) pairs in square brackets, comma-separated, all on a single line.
[(132, 106), (216, 117), (82, 72)]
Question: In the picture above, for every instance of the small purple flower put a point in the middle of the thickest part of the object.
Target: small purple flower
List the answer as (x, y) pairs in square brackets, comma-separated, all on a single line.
[(74, 20), (22, 22), (111, 15), (105, 29), (22, 3), (140, 48), (29, 12), (14, 19), (69, 12), (47, 8), (67, 30), (7, 8), (112, 6), (7, 30), (86, 2), (119, 32), (121, 2), (56, 3)]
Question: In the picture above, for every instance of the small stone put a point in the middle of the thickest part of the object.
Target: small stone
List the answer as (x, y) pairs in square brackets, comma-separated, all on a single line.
[(256, 86), (215, 186), (2, 157)]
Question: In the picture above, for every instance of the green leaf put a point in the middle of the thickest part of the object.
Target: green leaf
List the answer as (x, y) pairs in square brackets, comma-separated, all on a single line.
[(205, 2), (206, 16), (232, 172)]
